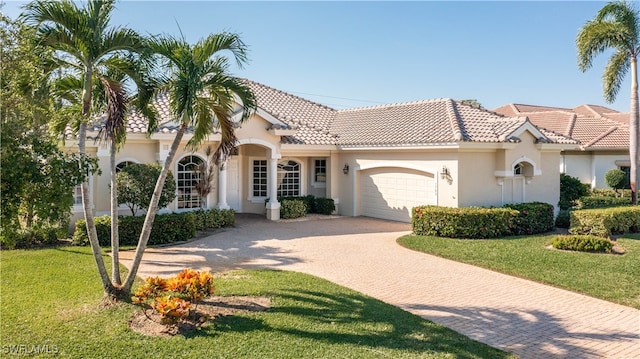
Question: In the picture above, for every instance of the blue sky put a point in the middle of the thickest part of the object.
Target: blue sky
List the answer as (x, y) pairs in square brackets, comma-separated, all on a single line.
[(389, 52)]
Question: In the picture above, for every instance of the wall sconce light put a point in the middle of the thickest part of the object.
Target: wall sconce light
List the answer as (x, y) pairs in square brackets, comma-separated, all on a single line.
[(345, 169), (446, 175)]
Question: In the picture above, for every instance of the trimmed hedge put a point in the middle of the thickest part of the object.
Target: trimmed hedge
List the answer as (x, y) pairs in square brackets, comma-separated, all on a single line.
[(214, 218), (472, 222), (312, 204), (607, 192), (604, 222), (167, 227), (293, 208), (324, 205), (533, 217), (602, 202), (480, 222), (12, 238), (582, 243)]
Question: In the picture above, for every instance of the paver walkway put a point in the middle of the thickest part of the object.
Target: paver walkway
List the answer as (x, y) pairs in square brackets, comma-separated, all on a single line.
[(516, 315)]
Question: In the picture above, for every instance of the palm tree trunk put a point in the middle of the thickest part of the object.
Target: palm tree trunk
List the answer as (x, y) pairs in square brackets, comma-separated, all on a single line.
[(151, 211), (633, 132), (86, 199), (115, 239)]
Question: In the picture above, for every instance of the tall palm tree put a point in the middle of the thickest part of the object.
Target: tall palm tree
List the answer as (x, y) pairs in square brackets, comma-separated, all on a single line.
[(85, 45), (202, 96), (616, 27)]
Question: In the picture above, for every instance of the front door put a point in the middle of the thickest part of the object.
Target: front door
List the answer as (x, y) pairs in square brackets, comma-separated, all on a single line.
[(233, 184)]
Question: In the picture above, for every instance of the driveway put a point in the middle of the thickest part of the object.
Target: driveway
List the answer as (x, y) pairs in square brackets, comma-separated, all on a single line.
[(516, 315)]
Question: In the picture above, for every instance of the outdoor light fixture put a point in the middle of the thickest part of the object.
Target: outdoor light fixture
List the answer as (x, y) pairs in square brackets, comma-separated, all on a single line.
[(345, 169), (444, 174)]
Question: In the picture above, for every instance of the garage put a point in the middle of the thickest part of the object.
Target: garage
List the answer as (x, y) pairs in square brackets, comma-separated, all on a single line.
[(390, 193)]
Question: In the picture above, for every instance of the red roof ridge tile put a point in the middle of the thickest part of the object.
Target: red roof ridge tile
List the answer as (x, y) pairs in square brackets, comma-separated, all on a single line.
[(397, 104), (454, 120), (571, 125), (287, 94)]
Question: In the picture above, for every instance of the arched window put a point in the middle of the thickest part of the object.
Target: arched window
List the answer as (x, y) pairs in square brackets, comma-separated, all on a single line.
[(517, 170), (288, 179), (122, 165), (188, 176)]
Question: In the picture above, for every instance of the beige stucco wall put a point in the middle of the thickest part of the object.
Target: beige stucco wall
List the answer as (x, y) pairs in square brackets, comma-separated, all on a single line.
[(590, 167), (476, 180)]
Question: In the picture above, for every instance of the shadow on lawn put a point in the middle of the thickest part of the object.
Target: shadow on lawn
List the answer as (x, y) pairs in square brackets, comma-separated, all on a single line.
[(356, 320)]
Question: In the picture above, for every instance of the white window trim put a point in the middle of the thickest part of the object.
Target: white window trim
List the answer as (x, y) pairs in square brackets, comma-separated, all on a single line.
[(315, 184), (79, 208), (302, 179), (175, 201), (251, 198)]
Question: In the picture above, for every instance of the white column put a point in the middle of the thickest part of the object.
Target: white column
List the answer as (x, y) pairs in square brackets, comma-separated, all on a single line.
[(273, 206), (222, 187)]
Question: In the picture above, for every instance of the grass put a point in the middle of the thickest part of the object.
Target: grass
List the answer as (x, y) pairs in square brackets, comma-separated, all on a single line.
[(51, 297), (615, 278)]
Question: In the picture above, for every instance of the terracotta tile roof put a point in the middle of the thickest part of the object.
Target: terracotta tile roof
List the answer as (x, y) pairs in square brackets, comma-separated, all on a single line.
[(595, 127), (405, 124), (421, 123)]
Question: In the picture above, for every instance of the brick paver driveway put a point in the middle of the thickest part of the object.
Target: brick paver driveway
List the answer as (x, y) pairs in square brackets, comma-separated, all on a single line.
[(520, 316)]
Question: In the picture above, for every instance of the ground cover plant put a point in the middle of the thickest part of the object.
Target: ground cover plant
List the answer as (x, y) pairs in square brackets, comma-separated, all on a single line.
[(308, 318), (611, 277)]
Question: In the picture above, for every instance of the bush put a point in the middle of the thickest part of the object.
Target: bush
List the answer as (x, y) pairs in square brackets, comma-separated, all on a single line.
[(324, 205), (604, 222), (570, 190), (292, 208), (616, 179), (472, 222), (167, 297), (606, 192), (582, 243), (167, 228), (13, 238), (214, 218), (588, 202), (533, 217), (563, 220)]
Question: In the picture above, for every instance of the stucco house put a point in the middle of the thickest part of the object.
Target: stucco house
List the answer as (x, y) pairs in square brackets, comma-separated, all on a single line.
[(376, 161), (603, 135)]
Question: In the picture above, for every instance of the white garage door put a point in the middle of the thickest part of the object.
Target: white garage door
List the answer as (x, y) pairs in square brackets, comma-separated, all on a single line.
[(390, 193)]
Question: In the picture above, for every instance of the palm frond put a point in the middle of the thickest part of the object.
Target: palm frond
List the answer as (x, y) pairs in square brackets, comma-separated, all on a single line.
[(214, 43), (614, 74), (114, 128), (595, 38)]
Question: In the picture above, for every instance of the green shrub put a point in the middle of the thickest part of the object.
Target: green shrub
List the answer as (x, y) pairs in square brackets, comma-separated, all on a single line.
[(292, 208), (604, 222), (167, 228), (606, 192), (12, 238), (213, 218), (588, 202), (472, 222), (563, 220), (103, 228), (616, 179), (533, 217), (324, 205), (582, 243), (570, 190)]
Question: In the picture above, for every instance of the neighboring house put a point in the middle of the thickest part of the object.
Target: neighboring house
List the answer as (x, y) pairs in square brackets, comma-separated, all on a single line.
[(603, 134), (377, 161)]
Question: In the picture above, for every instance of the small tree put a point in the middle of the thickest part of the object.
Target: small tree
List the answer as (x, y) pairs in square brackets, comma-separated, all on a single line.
[(136, 183), (570, 190), (617, 179), (207, 170)]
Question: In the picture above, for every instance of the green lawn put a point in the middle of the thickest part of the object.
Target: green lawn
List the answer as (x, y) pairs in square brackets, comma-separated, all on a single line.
[(610, 277), (51, 297)]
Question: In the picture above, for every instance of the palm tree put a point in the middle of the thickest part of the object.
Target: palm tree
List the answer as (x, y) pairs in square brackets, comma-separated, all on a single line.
[(202, 96), (86, 47), (616, 27)]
